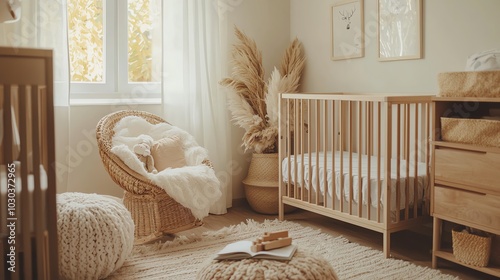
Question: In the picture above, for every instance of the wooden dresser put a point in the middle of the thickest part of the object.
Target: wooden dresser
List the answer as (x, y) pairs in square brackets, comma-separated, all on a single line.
[(465, 182)]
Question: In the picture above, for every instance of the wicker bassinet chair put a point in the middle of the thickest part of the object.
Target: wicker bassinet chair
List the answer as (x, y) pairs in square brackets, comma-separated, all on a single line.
[(154, 212)]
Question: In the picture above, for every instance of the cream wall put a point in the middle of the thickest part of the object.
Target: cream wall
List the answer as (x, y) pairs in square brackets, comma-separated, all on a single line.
[(453, 30)]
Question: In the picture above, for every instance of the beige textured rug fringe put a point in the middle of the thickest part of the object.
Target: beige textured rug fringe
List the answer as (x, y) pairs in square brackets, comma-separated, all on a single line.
[(185, 255)]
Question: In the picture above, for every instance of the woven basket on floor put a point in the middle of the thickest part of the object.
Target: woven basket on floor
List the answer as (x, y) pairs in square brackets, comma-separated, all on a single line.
[(470, 248), (262, 184), (154, 212)]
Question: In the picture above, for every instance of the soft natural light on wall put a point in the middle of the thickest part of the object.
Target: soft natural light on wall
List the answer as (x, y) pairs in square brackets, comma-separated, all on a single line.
[(10, 10)]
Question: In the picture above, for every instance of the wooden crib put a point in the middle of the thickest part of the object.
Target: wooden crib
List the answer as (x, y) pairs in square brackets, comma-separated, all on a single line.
[(338, 150), (28, 225)]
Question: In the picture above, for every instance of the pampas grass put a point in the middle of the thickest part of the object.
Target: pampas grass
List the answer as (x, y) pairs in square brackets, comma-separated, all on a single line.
[(253, 102)]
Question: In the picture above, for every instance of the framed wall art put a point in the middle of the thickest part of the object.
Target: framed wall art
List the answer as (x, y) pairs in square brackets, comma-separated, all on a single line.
[(399, 29), (347, 30)]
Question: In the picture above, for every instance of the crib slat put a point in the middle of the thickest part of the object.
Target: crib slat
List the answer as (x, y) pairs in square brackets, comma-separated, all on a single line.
[(8, 142), (359, 151), (289, 151), (407, 156), (415, 162), (398, 162), (302, 143), (25, 214), (318, 137), (38, 222), (51, 212), (388, 166), (369, 147), (3, 261), (325, 141), (379, 163), (351, 116), (427, 144), (309, 151), (7, 124), (341, 153), (298, 135), (334, 148)]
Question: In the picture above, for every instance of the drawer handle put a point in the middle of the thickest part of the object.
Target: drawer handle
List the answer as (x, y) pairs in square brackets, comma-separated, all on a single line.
[(462, 190), (465, 150)]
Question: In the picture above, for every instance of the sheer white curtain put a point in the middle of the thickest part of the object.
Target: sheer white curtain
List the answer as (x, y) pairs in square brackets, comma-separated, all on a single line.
[(43, 25), (193, 44)]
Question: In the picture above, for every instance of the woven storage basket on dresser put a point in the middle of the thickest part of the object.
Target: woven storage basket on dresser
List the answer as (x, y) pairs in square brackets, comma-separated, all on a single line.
[(154, 212), (481, 132), (469, 84), (470, 248)]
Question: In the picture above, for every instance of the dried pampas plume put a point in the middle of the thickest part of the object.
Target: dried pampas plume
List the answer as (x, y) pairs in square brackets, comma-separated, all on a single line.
[(253, 102), (247, 77)]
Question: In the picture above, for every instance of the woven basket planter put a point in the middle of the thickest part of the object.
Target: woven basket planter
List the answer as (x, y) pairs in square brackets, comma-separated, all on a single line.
[(262, 184), (470, 248)]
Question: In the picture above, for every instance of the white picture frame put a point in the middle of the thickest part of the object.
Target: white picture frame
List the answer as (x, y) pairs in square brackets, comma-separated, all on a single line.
[(399, 29), (347, 30)]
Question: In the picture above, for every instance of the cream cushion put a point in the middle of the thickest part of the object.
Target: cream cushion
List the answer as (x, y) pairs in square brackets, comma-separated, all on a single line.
[(168, 153), (303, 266), (95, 235)]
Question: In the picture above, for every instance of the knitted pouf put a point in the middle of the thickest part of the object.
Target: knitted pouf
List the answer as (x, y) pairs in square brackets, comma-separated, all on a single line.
[(96, 235), (303, 266)]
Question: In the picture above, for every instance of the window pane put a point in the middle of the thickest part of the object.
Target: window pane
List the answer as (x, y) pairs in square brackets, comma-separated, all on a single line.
[(143, 18), (85, 38)]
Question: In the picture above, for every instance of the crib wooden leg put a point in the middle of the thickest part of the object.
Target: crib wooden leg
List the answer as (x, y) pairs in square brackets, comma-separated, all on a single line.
[(281, 209), (387, 244)]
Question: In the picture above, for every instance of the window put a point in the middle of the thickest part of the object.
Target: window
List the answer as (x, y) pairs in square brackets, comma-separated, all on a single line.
[(115, 48)]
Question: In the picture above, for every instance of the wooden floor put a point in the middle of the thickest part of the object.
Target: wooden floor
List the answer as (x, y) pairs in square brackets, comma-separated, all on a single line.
[(406, 245)]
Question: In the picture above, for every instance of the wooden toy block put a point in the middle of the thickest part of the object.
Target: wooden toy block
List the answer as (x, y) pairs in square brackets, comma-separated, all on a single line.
[(271, 240), (268, 236), (257, 248), (281, 242)]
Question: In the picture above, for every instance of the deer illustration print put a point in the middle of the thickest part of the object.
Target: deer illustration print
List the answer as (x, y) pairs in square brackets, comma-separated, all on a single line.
[(346, 16)]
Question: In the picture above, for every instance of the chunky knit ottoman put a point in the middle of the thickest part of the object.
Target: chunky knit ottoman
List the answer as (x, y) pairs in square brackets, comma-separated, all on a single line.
[(303, 266), (96, 235)]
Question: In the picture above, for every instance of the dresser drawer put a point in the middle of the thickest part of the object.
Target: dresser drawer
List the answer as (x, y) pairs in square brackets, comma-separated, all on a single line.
[(473, 168), (481, 210)]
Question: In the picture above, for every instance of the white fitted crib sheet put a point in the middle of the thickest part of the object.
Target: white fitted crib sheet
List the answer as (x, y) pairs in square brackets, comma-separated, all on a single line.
[(331, 177)]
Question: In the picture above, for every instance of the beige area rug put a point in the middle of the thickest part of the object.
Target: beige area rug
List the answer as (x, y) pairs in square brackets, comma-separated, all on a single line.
[(183, 257)]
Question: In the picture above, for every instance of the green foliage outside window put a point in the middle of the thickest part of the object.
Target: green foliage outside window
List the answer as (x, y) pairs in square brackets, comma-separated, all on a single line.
[(140, 52), (86, 40)]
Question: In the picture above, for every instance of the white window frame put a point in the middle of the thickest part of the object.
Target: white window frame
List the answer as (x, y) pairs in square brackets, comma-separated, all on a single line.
[(115, 85)]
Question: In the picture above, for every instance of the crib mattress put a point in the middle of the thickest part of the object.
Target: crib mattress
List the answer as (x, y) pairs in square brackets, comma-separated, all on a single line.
[(368, 177)]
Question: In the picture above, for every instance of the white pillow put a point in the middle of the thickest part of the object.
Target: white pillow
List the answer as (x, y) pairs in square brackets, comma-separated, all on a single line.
[(484, 61)]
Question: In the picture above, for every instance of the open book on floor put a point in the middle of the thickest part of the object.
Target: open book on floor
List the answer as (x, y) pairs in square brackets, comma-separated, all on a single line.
[(242, 250)]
